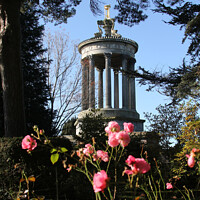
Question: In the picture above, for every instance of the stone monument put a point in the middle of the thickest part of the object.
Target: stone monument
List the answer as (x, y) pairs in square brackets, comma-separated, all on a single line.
[(108, 54)]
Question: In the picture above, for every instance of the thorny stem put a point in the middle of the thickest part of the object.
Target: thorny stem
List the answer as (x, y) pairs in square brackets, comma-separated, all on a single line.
[(105, 195), (181, 193), (109, 161), (151, 188), (115, 187), (136, 186), (120, 154), (110, 193)]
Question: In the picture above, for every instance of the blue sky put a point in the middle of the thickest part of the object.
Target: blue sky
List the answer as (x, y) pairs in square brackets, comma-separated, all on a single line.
[(160, 46)]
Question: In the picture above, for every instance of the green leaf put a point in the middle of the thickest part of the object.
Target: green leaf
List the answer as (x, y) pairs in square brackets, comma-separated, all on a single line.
[(53, 150), (63, 149), (54, 158)]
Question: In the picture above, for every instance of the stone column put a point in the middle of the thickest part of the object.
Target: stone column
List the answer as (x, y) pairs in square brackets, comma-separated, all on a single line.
[(124, 84), (84, 85), (132, 101), (91, 82), (100, 88), (116, 88), (108, 79)]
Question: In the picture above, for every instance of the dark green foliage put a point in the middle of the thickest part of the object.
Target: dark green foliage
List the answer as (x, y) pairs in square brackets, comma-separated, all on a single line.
[(180, 83), (14, 159), (69, 128), (183, 81), (167, 123), (131, 12), (93, 125), (55, 10), (187, 16), (35, 73), (58, 10)]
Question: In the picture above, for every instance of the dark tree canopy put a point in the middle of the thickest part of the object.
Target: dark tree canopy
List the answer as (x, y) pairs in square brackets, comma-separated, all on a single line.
[(34, 71), (182, 81), (187, 16), (131, 12), (167, 123)]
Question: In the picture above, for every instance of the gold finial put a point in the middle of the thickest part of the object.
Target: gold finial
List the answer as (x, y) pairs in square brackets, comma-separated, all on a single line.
[(107, 14)]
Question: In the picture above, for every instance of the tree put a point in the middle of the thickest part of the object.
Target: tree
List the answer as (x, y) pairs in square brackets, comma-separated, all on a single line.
[(183, 81), (10, 68), (1, 112), (34, 71), (10, 65), (64, 78), (92, 126), (189, 139), (167, 123)]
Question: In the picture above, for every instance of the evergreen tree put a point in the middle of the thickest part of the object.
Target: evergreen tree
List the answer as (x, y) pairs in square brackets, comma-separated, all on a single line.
[(34, 71), (167, 123)]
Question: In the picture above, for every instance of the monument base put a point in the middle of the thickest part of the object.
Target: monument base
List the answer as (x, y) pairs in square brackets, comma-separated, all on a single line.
[(112, 114)]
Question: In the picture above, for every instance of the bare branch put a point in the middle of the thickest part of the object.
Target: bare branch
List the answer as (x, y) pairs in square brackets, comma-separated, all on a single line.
[(64, 77)]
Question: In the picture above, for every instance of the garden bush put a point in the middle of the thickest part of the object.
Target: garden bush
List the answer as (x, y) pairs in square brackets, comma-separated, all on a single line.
[(49, 178)]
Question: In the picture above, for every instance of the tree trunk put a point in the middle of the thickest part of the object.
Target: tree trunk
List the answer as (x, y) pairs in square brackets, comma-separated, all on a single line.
[(10, 68)]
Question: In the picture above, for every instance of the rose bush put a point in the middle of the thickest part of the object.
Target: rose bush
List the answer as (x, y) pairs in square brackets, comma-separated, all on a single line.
[(101, 166), (90, 160)]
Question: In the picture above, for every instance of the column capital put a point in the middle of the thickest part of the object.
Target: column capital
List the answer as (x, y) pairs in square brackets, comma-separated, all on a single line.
[(90, 56), (107, 55), (124, 56)]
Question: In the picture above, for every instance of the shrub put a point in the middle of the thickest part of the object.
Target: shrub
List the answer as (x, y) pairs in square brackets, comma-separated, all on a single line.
[(49, 178)]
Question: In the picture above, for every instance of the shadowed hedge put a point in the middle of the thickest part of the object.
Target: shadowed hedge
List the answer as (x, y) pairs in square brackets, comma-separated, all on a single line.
[(50, 179)]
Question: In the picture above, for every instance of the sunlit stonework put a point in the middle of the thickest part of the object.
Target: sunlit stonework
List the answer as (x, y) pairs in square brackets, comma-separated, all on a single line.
[(108, 52)]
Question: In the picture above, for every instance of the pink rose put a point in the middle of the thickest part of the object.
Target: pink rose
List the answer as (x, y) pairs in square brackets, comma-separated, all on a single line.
[(88, 150), (169, 186), (137, 165), (112, 127), (112, 140), (194, 150), (128, 127), (103, 155), (140, 166), (100, 181), (130, 160), (29, 143), (191, 157), (191, 160), (128, 171), (124, 138)]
